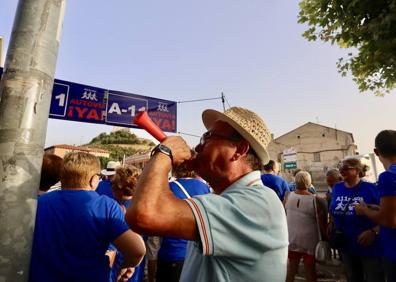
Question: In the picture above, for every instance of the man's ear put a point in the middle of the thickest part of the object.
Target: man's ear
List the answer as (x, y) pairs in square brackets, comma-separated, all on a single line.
[(242, 149), (376, 152), (90, 182)]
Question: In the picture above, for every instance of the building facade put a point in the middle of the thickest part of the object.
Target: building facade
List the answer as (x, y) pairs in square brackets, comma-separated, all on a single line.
[(314, 148), (63, 149), (139, 159)]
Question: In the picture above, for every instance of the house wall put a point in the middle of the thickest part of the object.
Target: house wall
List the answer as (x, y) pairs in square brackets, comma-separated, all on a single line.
[(318, 148)]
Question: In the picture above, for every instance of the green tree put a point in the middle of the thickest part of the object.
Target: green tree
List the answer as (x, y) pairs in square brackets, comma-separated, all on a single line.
[(119, 144), (118, 153), (103, 162), (368, 27)]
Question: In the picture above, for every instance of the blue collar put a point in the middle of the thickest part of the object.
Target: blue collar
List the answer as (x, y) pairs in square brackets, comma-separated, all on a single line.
[(392, 168)]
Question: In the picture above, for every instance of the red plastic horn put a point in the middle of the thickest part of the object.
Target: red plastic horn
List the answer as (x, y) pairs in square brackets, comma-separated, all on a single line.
[(144, 121)]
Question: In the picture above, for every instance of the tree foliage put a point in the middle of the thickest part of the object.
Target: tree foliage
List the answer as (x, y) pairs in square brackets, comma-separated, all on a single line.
[(103, 162), (119, 144), (118, 153), (366, 26), (119, 137)]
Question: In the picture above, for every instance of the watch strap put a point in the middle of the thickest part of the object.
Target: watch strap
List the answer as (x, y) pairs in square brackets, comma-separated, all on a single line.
[(160, 148)]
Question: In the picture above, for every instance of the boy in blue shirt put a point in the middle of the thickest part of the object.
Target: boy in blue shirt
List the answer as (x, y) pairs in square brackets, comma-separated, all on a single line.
[(74, 227), (385, 149)]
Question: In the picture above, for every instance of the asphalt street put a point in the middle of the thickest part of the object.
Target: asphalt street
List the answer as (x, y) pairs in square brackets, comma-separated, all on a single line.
[(326, 273)]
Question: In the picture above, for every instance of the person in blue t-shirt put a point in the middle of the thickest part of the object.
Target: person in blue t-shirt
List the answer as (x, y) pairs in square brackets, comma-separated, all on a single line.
[(123, 188), (172, 251), (104, 187), (271, 179), (361, 251), (385, 149), (74, 227)]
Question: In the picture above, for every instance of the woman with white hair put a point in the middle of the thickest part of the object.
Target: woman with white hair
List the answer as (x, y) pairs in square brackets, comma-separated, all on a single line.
[(301, 207)]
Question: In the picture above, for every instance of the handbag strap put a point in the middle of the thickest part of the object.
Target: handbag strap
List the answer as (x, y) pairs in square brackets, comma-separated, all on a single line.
[(182, 188), (317, 218)]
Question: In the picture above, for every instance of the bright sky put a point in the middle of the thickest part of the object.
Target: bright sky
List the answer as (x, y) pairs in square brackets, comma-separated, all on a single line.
[(179, 50)]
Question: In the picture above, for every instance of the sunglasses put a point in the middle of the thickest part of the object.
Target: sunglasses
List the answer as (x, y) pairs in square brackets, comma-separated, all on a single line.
[(210, 134)]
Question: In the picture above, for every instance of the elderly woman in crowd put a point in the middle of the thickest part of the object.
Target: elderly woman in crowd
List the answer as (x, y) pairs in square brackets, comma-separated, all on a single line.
[(301, 209), (333, 176), (124, 183), (123, 187), (358, 242)]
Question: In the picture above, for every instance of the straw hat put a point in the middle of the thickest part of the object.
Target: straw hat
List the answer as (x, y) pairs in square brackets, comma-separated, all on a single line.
[(110, 168), (248, 124)]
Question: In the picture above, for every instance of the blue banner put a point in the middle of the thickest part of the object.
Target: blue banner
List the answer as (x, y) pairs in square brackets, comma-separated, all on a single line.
[(84, 103)]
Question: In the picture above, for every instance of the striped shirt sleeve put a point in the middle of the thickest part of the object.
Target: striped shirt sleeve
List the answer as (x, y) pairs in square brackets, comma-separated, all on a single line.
[(203, 225)]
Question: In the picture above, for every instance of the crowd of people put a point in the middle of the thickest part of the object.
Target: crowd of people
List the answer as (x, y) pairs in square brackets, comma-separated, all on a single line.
[(225, 214)]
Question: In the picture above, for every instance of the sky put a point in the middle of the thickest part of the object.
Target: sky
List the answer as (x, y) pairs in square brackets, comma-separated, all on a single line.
[(252, 51)]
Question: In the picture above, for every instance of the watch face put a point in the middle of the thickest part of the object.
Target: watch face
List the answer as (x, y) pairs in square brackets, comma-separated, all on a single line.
[(164, 149)]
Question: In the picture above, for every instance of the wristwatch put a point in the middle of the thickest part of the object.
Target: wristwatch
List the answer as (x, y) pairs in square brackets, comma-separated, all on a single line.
[(160, 148)]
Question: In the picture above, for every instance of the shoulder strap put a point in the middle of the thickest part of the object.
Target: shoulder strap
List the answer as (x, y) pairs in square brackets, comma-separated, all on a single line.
[(286, 197), (317, 217), (182, 188)]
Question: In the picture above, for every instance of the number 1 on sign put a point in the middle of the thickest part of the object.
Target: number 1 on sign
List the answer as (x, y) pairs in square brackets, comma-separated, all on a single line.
[(133, 110), (61, 98)]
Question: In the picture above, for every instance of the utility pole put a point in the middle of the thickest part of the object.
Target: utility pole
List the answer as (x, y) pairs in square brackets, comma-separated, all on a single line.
[(1, 51), (25, 92), (223, 101)]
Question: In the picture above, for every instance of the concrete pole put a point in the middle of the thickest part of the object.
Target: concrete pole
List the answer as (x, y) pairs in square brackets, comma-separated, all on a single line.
[(1, 51), (25, 92)]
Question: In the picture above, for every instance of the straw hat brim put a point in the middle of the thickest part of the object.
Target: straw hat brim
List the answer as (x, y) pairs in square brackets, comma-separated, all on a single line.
[(209, 117), (107, 173)]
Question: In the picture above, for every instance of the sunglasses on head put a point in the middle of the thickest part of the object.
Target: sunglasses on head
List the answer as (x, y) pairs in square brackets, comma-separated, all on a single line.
[(344, 168)]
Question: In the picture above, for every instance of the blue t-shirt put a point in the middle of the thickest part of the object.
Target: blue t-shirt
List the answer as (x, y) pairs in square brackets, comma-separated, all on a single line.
[(72, 233), (345, 218), (138, 274), (104, 188), (173, 249), (387, 187), (276, 183)]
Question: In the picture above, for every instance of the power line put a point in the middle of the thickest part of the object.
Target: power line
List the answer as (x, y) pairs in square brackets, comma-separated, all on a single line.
[(189, 134), (198, 100)]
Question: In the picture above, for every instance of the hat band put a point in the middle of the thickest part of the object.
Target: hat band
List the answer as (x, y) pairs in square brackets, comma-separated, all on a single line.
[(110, 169)]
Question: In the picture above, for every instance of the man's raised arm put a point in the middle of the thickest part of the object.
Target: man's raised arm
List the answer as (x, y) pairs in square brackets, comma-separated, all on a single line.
[(155, 210)]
